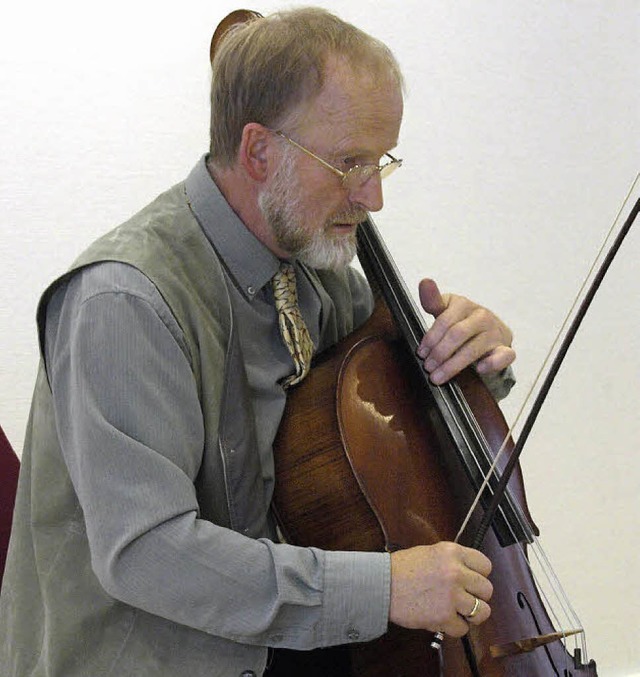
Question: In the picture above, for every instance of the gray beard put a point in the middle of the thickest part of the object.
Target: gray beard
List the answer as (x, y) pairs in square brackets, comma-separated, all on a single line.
[(281, 206)]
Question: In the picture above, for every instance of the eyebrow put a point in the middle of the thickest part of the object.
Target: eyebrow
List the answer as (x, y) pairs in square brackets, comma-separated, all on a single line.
[(361, 153)]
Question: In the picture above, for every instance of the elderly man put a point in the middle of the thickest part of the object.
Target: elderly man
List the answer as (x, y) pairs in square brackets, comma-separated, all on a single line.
[(143, 542)]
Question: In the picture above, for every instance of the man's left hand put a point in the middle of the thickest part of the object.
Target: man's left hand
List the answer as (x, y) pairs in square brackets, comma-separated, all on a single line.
[(463, 333)]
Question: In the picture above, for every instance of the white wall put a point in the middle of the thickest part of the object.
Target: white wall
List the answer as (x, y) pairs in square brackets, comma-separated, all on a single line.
[(521, 137)]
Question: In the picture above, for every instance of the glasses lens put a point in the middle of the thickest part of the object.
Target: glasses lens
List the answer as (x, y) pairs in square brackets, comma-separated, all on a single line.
[(356, 177), (389, 168)]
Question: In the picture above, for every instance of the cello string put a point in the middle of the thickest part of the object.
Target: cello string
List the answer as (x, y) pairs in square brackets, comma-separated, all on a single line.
[(534, 541), (393, 287), (561, 597), (558, 611), (396, 288), (524, 522), (554, 586), (485, 447)]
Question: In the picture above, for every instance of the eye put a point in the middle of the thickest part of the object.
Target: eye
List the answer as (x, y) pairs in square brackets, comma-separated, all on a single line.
[(349, 162)]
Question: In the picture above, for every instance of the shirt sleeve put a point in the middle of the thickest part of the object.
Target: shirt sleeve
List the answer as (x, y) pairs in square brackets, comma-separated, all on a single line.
[(500, 383), (132, 435)]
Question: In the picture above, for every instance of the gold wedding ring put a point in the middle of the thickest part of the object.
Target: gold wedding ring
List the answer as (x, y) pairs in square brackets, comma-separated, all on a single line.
[(474, 611)]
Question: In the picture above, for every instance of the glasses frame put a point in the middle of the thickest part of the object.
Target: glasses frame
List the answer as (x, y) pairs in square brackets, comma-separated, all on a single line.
[(383, 170)]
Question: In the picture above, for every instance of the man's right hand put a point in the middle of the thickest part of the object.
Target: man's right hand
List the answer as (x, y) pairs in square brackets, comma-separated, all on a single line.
[(435, 587)]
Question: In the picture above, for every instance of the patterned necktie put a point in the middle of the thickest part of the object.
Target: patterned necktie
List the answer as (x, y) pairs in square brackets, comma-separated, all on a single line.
[(292, 327)]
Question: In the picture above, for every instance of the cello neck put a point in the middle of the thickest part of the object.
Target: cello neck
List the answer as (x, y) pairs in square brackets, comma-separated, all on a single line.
[(387, 283)]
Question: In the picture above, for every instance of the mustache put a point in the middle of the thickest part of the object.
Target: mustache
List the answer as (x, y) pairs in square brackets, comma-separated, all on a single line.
[(353, 217)]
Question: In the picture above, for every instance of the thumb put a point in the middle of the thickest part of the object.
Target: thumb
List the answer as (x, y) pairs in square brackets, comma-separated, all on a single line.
[(430, 297)]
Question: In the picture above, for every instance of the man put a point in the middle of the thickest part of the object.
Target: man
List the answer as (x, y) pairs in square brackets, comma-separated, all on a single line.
[(143, 541)]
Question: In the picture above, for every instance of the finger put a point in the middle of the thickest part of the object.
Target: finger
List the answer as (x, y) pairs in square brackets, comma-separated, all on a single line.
[(452, 328), (430, 297), (497, 360), (467, 612), (463, 357), (454, 364), (476, 339), (456, 626), (476, 561), (460, 321), (478, 586), (477, 611)]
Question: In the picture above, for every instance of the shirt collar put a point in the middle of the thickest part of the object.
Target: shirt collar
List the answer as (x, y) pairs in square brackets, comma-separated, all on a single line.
[(247, 260)]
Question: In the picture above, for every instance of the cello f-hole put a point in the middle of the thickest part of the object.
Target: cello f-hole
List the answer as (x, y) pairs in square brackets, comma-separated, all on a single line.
[(523, 603)]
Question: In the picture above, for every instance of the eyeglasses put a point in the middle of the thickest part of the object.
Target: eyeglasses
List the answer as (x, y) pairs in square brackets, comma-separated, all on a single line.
[(356, 176)]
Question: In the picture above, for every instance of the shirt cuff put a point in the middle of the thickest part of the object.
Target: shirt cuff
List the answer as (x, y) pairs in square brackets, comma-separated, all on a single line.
[(500, 384), (357, 593)]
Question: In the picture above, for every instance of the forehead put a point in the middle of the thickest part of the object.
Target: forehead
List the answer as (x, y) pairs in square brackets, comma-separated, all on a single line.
[(355, 110)]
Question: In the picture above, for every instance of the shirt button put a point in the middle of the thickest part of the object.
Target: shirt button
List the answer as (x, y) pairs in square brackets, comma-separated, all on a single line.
[(248, 673), (353, 634), (251, 290)]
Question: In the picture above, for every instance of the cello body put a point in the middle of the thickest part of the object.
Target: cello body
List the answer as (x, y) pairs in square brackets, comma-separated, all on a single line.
[(364, 462)]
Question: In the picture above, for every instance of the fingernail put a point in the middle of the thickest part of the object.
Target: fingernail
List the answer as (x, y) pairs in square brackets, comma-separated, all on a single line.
[(430, 365), (437, 377)]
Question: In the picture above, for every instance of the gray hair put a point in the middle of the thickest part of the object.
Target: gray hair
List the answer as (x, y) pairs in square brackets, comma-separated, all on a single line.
[(264, 69)]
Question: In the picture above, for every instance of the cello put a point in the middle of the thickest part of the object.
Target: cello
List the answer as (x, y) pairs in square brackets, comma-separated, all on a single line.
[(387, 460), (370, 455), (400, 450)]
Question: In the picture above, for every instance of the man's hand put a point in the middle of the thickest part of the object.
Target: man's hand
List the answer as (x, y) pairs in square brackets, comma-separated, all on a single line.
[(435, 587), (463, 333)]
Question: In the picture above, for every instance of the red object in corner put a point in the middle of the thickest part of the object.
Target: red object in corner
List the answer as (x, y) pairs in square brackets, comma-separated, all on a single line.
[(9, 467)]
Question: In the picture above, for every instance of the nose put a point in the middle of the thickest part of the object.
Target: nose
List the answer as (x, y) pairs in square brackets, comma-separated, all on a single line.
[(369, 194)]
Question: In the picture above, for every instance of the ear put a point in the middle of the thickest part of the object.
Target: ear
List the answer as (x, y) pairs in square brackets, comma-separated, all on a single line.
[(254, 153)]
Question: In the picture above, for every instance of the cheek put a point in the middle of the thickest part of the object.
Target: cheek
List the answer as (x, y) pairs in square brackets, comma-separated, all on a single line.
[(323, 204), (322, 194)]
